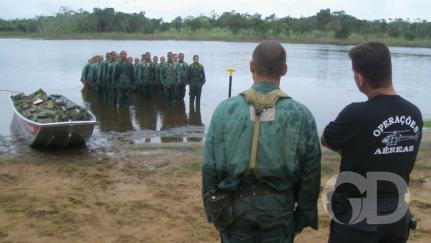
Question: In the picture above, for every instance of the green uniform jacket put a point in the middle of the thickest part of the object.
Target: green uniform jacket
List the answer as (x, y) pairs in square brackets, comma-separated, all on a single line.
[(148, 74), (157, 66), (123, 75), (136, 69), (159, 73), (182, 70), (288, 152), (85, 72), (94, 70), (170, 75), (110, 73), (196, 75), (103, 70)]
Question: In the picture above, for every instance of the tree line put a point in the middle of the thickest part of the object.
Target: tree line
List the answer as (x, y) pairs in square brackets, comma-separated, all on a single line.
[(325, 23)]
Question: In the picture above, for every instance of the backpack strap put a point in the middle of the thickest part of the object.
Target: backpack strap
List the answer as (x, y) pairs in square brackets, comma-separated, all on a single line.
[(260, 102)]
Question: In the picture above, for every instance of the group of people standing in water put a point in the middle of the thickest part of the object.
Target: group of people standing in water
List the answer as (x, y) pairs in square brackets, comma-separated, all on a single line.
[(120, 73)]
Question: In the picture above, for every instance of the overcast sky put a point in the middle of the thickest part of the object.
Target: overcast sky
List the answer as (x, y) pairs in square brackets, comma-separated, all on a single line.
[(168, 9)]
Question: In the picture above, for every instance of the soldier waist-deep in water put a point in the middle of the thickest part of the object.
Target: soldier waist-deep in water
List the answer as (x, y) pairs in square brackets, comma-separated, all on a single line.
[(118, 72)]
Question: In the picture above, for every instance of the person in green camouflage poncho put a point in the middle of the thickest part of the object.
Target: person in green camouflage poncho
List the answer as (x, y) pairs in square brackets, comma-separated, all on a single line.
[(86, 72), (262, 157), (110, 73), (159, 73), (136, 69), (196, 79), (170, 75), (103, 70), (94, 70), (124, 72), (147, 75), (157, 85), (182, 70)]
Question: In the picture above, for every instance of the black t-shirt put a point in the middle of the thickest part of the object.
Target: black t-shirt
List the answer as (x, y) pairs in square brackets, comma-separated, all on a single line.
[(380, 135)]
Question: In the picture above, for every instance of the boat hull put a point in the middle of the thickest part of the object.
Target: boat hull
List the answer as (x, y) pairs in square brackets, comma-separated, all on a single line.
[(61, 134)]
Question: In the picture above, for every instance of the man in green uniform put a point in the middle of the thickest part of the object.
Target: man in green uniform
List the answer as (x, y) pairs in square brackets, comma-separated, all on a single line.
[(160, 68), (261, 171), (94, 70), (123, 72), (182, 69), (196, 79), (103, 70), (169, 78), (147, 75), (110, 79), (85, 72), (157, 80), (136, 69)]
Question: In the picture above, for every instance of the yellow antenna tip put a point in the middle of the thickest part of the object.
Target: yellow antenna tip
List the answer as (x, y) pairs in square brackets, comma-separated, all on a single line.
[(230, 70)]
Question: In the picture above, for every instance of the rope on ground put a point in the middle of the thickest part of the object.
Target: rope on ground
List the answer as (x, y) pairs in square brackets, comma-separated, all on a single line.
[(10, 91)]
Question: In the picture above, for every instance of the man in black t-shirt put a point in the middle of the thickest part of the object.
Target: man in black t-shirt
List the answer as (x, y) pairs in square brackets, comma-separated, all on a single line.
[(380, 135)]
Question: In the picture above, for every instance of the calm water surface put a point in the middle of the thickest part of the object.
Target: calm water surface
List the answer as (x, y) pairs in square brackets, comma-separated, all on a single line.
[(319, 76)]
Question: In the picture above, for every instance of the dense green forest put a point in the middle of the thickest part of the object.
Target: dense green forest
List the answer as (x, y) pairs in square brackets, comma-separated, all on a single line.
[(325, 26)]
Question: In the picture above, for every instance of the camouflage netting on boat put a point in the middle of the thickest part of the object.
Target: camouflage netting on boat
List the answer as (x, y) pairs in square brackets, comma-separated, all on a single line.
[(40, 107)]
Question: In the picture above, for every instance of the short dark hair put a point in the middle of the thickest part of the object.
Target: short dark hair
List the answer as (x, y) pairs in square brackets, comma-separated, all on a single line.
[(373, 61), (270, 59)]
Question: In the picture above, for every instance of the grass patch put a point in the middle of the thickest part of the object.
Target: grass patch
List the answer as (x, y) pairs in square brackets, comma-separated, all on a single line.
[(328, 169), (422, 165), (421, 205), (193, 166), (6, 178), (427, 123), (3, 235)]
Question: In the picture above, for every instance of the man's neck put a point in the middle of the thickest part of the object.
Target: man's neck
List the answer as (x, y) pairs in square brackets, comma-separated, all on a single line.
[(266, 80), (381, 91)]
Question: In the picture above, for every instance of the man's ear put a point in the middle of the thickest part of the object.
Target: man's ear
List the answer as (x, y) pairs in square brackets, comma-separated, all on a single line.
[(252, 67), (285, 69), (360, 81)]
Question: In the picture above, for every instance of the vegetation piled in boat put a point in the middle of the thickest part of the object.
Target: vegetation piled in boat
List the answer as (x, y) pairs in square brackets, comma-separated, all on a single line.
[(41, 108)]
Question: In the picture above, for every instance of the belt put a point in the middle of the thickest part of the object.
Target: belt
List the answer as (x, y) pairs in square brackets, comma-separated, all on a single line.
[(254, 190)]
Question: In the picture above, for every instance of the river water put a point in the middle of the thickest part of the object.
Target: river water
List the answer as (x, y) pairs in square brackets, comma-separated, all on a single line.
[(319, 76)]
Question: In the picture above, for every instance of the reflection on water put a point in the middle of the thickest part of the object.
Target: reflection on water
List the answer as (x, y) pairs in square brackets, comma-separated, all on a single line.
[(119, 111), (319, 76)]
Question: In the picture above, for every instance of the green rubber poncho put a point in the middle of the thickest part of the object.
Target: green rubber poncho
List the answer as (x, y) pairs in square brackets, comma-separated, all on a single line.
[(182, 71), (124, 75), (288, 156), (196, 74), (102, 75), (147, 75), (170, 74)]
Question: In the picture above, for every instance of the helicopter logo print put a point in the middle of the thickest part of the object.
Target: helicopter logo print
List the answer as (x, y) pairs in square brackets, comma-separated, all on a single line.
[(395, 141), (395, 137)]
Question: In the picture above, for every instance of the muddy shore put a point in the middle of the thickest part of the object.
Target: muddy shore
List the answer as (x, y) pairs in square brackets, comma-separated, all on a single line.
[(137, 193)]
